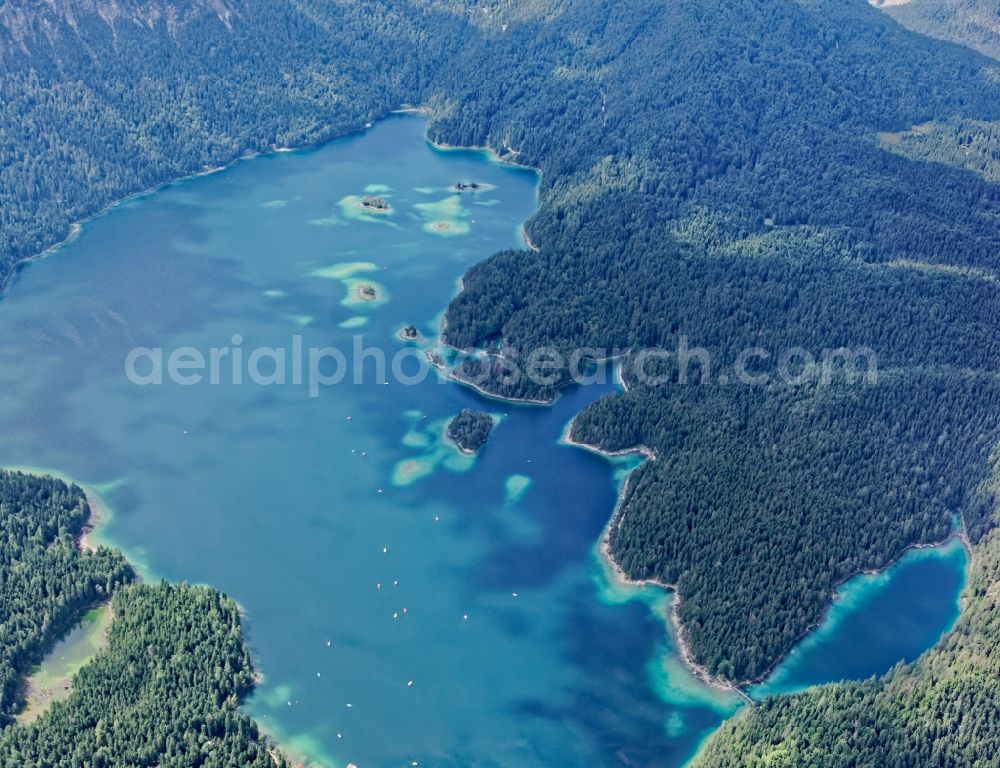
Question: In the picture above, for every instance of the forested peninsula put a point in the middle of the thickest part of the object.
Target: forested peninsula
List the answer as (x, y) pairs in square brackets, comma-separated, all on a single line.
[(940, 710), (166, 687), (741, 174)]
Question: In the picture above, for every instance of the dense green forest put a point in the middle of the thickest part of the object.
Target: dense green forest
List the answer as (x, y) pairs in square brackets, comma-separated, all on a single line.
[(974, 23), (163, 692), (734, 174), (939, 711), (971, 144), (46, 582), (470, 429), (762, 499)]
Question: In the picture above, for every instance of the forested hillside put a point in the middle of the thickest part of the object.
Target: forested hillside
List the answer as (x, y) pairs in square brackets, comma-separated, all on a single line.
[(970, 144), (100, 100), (46, 582), (163, 692), (975, 23), (763, 499), (939, 711)]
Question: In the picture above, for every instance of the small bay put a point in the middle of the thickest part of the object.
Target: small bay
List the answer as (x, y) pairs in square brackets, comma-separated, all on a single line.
[(878, 620)]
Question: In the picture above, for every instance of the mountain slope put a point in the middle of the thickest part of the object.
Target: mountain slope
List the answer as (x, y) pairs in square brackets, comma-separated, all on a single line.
[(975, 23)]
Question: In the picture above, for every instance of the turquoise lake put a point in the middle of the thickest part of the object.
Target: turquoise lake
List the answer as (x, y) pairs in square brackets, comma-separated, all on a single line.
[(403, 602)]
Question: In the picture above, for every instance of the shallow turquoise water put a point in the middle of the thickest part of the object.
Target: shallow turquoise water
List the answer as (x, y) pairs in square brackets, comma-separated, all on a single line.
[(405, 603)]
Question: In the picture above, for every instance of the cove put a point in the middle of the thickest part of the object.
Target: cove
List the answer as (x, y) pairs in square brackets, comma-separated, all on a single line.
[(403, 602), (878, 620)]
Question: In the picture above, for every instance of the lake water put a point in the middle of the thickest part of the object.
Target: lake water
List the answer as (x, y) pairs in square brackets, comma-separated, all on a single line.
[(404, 602), (878, 620)]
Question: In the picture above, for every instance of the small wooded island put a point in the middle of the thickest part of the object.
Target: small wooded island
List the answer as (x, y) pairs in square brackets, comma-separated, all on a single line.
[(470, 430), (376, 204), (467, 186)]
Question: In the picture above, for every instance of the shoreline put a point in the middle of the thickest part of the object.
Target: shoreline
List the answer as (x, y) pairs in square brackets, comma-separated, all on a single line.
[(673, 620), (675, 626), (277, 752), (621, 578), (528, 241), (401, 336), (454, 444), (493, 153), (684, 651), (499, 398), (442, 368), (959, 534), (76, 227), (99, 514), (38, 698), (465, 451), (359, 292), (495, 157), (567, 438)]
